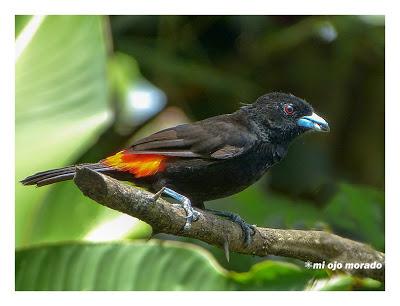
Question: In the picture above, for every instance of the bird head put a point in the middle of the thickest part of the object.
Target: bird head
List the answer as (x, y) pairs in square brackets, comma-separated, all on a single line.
[(284, 116)]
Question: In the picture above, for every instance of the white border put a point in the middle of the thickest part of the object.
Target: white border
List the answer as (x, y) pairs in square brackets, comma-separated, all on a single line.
[(212, 7), (209, 7), (7, 150)]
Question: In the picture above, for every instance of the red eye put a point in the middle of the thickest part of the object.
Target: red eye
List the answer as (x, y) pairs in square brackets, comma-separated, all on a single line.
[(289, 109)]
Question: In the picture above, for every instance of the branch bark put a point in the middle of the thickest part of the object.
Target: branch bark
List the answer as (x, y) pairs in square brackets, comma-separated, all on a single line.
[(313, 246)]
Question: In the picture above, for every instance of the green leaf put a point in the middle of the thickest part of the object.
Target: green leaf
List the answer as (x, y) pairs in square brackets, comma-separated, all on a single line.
[(61, 105), (154, 265), (139, 266), (272, 275)]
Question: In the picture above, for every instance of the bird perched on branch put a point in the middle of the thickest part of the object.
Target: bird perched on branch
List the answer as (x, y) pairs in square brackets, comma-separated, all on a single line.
[(208, 159)]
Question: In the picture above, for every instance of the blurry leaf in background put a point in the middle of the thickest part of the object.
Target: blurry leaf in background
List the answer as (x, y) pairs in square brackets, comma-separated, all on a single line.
[(61, 105), (137, 99), (271, 275), (358, 212), (153, 265)]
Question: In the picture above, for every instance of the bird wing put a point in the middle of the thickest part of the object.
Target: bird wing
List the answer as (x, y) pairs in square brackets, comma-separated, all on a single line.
[(216, 139)]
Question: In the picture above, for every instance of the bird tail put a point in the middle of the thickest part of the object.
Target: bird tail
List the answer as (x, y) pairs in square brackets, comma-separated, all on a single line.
[(62, 174)]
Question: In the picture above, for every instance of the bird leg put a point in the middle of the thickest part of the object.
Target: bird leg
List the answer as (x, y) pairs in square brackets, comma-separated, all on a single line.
[(191, 214), (248, 229)]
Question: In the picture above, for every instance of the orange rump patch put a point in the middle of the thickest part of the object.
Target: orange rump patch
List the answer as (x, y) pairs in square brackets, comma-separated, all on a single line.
[(138, 164)]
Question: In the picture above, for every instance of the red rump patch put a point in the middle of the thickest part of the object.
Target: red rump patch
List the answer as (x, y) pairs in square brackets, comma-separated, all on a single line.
[(138, 164)]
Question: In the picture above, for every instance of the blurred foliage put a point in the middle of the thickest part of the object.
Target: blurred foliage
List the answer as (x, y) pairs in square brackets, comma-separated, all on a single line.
[(86, 86), (208, 64), (61, 105)]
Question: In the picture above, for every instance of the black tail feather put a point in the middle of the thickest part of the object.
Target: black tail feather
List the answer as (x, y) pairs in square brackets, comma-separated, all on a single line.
[(58, 175)]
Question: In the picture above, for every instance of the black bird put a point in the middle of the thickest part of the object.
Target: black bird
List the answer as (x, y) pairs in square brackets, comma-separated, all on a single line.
[(208, 159)]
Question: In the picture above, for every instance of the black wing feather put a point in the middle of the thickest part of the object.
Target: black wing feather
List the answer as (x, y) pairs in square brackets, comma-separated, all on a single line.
[(211, 139)]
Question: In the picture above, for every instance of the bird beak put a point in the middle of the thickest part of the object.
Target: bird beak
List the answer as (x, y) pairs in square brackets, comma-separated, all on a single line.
[(313, 122)]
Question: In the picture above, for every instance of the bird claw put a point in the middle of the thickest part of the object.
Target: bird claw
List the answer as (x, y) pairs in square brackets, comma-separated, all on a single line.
[(248, 229), (191, 214), (196, 215)]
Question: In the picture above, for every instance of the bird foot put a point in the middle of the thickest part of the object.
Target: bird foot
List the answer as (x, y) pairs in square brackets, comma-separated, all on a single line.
[(191, 214), (248, 229)]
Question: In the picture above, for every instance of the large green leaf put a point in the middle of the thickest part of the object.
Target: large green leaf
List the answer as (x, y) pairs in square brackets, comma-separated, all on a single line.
[(139, 266), (88, 220), (61, 103), (153, 265)]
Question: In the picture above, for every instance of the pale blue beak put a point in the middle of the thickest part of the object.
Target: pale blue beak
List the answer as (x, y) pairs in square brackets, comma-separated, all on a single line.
[(313, 122)]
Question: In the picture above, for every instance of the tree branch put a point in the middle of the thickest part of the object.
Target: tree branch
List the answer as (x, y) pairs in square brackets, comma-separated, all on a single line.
[(314, 246)]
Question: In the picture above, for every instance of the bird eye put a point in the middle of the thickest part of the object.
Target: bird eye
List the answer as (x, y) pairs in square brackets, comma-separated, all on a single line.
[(289, 109)]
